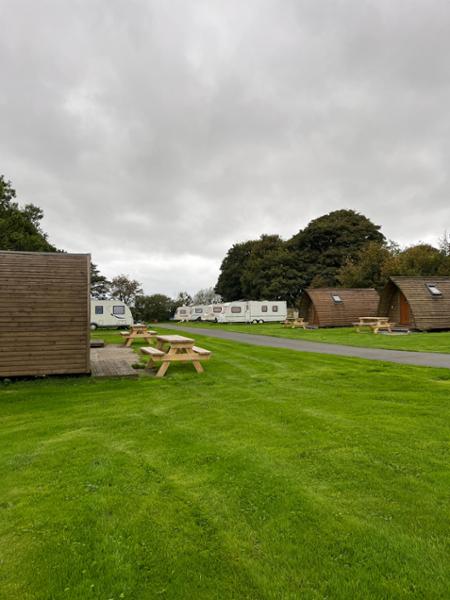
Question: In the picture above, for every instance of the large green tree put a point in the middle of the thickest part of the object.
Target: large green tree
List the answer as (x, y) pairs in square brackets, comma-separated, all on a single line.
[(370, 266), (156, 307), (125, 289), (328, 242), (421, 259), (269, 272), (229, 284), (100, 286), (20, 227)]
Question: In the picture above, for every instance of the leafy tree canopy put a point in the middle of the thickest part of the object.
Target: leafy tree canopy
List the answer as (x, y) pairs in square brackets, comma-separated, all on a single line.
[(229, 284), (157, 307), (100, 286), (20, 228), (328, 242), (125, 289), (206, 296)]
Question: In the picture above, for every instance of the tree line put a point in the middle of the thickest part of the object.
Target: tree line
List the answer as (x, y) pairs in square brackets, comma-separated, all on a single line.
[(340, 249), (20, 230)]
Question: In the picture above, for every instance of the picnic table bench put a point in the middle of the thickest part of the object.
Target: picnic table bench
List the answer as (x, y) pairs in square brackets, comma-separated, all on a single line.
[(375, 323), (179, 349), (295, 322), (137, 332)]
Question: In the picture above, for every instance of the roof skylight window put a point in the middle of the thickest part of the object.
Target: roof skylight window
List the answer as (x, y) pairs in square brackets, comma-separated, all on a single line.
[(434, 290), (336, 298)]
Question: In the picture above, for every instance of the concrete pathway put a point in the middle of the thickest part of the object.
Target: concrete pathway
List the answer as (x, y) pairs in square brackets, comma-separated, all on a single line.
[(421, 359)]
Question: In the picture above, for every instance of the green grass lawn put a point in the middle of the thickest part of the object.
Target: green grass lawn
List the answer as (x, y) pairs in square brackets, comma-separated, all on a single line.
[(417, 342), (273, 475)]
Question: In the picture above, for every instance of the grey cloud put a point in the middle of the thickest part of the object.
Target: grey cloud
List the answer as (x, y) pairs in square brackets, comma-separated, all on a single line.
[(155, 134)]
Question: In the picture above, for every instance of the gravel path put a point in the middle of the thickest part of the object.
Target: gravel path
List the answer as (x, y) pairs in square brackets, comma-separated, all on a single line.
[(421, 359)]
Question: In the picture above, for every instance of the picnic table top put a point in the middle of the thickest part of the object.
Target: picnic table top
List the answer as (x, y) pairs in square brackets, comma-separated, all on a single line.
[(174, 339), (373, 318)]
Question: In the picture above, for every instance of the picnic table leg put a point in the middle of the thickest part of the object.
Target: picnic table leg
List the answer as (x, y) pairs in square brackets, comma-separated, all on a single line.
[(162, 369), (197, 366), (129, 341)]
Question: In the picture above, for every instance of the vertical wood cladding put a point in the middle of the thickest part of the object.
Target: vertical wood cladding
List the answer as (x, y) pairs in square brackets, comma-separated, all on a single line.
[(44, 313), (318, 307), (427, 312)]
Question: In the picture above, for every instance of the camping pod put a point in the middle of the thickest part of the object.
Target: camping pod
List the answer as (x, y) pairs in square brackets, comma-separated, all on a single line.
[(44, 301), (335, 307), (421, 303)]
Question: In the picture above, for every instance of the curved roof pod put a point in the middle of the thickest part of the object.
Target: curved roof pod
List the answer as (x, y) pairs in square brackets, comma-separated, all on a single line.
[(420, 302), (338, 307)]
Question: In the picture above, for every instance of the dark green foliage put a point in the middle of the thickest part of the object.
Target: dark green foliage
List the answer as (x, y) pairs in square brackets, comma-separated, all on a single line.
[(100, 286), (157, 307), (369, 268), (422, 259), (329, 242), (270, 272), (229, 284), (20, 227), (273, 269), (375, 263), (125, 289)]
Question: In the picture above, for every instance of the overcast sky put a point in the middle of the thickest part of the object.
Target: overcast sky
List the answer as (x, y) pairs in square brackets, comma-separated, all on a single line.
[(155, 134)]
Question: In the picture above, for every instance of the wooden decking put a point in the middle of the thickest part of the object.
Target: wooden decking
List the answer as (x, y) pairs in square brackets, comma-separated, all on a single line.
[(113, 361)]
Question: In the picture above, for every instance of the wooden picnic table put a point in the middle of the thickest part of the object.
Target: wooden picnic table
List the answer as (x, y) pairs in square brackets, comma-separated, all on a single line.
[(295, 322), (136, 332), (374, 323), (175, 348)]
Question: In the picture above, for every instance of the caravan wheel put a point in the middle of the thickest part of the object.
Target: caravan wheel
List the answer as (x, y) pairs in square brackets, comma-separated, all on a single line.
[(255, 321), (260, 321), (93, 326)]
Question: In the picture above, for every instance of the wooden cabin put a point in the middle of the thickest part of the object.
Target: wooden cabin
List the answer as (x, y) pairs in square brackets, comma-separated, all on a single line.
[(335, 307), (421, 303), (44, 313)]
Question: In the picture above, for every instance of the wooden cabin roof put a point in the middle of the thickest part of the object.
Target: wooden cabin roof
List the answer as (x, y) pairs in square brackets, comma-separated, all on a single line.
[(428, 311), (356, 302)]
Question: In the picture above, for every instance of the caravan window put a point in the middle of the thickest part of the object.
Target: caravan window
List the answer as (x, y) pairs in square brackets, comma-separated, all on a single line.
[(118, 310), (99, 310), (182, 311), (217, 309), (264, 308), (336, 298), (275, 308), (199, 310), (433, 289), (236, 309)]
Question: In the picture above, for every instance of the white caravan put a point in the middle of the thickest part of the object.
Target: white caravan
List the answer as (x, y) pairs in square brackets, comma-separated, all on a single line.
[(253, 311), (197, 312), (182, 313), (212, 312), (110, 313)]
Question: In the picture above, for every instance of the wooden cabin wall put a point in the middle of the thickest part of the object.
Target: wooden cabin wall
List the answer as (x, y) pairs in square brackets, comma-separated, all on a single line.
[(44, 313)]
